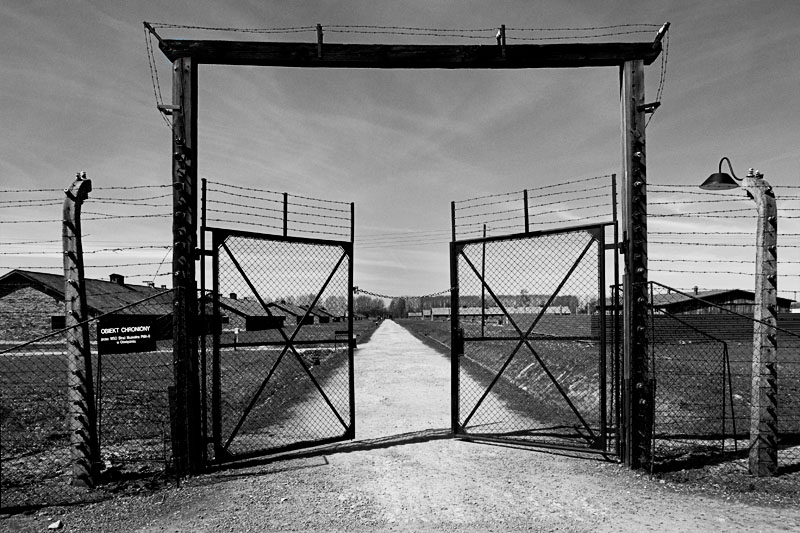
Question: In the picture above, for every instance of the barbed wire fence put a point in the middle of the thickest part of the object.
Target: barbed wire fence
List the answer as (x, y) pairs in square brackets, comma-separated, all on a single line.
[(136, 215), (234, 206), (698, 235), (131, 390), (700, 244)]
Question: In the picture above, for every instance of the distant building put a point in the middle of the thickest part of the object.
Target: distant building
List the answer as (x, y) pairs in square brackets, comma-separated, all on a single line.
[(245, 314), (440, 312), (295, 313), (32, 303), (713, 302)]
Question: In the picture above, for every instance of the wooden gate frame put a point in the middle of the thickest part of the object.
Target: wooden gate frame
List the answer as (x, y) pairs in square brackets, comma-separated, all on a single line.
[(186, 55)]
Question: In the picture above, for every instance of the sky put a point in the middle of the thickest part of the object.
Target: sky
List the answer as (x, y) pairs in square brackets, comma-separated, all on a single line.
[(76, 94)]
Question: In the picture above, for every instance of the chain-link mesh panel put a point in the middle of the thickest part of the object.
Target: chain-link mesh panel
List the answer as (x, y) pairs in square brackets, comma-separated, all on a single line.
[(702, 360), (131, 403), (552, 388), (789, 390), (284, 349)]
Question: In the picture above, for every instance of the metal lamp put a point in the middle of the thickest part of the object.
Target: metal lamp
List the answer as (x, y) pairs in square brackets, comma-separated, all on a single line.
[(720, 181)]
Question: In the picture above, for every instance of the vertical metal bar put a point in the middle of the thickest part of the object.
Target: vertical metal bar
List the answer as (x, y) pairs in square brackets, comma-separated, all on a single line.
[(216, 378), (454, 325), (285, 214), (483, 288), (603, 366), (724, 391), (350, 307), (453, 218), (203, 318), (730, 397), (652, 356), (615, 375), (527, 218)]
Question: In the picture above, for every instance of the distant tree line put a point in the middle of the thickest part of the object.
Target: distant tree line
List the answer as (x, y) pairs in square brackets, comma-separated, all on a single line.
[(369, 306)]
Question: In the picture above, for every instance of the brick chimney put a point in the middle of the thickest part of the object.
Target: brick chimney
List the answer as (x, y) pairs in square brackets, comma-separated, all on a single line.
[(119, 279)]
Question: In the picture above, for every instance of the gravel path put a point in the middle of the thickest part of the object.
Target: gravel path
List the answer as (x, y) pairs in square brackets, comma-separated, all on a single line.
[(404, 474)]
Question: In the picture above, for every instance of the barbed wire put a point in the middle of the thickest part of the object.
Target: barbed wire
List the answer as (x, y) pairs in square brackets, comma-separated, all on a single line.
[(574, 37), (412, 33), (290, 29), (530, 205), (750, 262), (272, 226), (101, 250), (151, 61), (29, 242), (663, 78), (381, 236), (580, 32), (358, 290), (251, 189), (169, 251), (32, 190), (403, 244), (739, 245), (740, 273), (10, 204), (271, 209), (543, 187)]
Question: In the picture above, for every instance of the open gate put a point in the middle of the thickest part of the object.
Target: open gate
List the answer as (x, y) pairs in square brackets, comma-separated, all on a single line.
[(280, 375), (534, 357)]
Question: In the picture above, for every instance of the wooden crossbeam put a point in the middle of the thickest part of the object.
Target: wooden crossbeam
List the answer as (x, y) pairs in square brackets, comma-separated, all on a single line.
[(386, 56)]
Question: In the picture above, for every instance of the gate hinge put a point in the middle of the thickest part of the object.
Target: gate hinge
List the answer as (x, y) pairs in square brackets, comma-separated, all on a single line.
[(198, 253)]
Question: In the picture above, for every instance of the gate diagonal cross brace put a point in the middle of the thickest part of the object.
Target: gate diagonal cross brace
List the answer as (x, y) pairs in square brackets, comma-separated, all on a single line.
[(289, 345), (524, 338)]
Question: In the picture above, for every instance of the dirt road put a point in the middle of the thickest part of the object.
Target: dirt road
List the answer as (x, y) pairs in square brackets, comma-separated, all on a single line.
[(403, 474)]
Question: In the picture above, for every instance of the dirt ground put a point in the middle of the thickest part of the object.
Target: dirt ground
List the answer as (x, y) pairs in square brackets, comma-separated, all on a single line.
[(404, 474)]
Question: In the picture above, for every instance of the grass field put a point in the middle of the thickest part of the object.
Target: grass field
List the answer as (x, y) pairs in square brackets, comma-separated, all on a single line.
[(700, 383), (563, 406)]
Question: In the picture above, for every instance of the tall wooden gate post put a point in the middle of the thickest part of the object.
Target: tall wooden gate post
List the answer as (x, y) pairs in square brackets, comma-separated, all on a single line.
[(638, 410), (84, 449), (187, 442)]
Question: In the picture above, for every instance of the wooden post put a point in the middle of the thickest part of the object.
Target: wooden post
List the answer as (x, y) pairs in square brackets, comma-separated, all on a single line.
[(638, 392), (187, 443), (84, 450), (763, 460)]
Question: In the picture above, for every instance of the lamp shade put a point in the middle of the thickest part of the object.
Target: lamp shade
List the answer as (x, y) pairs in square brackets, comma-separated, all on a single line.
[(719, 181)]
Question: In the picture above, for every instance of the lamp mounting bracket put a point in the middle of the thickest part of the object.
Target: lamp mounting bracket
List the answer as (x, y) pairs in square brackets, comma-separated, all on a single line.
[(648, 108)]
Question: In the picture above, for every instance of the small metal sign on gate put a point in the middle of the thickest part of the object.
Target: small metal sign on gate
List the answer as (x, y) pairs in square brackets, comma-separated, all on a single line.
[(125, 334)]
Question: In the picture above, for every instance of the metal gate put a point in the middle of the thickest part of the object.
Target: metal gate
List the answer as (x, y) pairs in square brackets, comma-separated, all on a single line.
[(534, 360), (281, 370)]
